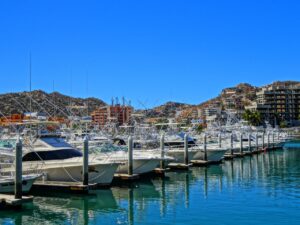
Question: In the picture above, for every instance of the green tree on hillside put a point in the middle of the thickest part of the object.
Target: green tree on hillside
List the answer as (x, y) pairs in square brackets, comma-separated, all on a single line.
[(253, 118)]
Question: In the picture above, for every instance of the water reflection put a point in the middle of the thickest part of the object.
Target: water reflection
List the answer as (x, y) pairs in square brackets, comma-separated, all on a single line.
[(65, 209), (271, 171), (273, 174)]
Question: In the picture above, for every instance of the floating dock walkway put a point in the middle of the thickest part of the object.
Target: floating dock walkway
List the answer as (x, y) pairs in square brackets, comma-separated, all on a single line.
[(9, 201), (65, 187)]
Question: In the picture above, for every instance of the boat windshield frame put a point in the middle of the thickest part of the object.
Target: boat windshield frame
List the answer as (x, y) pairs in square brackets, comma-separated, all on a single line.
[(60, 154)]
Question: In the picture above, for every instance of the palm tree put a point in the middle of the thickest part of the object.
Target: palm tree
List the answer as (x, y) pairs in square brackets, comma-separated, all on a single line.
[(253, 118)]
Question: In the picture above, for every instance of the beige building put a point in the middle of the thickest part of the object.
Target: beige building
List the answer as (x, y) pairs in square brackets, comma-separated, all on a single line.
[(118, 114), (278, 102)]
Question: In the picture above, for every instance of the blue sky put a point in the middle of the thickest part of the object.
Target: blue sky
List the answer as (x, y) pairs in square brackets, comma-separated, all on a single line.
[(149, 51)]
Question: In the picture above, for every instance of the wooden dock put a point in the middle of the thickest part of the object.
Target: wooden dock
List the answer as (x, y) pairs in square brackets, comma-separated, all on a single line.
[(239, 154), (179, 166), (66, 187), (160, 172), (126, 177), (125, 180), (229, 157), (248, 153), (9, 201), (201, 163)]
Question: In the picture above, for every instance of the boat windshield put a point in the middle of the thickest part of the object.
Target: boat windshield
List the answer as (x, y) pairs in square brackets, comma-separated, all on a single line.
[(52, 155), (106, 147), (55, 142)]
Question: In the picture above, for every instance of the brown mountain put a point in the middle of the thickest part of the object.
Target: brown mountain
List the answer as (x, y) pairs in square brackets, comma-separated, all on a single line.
[(54, 104), (166, 110), (235, 98)]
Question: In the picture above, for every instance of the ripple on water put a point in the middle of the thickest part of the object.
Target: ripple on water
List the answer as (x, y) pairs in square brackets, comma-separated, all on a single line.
[(263, 189)]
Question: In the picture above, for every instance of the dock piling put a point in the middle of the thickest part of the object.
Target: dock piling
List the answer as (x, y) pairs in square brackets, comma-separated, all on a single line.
[(231, 143), (263, 140), (85, 169), (273, 140), (205, 147), (220, 140), (241, 143), (186, 150), (162, 151), (256, 142), (249, 142), (18, 168), (130, 156)]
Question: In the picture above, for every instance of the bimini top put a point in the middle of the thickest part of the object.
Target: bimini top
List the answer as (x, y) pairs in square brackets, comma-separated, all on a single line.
[(51, 148)]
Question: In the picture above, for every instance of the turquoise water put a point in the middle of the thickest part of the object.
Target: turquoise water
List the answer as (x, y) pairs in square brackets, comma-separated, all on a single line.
[(292, 144), (262, 189)]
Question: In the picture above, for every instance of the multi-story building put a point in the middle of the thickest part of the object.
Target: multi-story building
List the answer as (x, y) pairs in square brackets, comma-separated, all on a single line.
[(119, 114), (278, 102), (211, 111)]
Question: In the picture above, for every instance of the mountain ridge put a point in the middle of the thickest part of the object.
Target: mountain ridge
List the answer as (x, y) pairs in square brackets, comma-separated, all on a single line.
[(241, 95)]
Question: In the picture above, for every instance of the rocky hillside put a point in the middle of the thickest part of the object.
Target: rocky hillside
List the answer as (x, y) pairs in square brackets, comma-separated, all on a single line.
[(284, 83), (55, 104), (234, 98), (166, 110)]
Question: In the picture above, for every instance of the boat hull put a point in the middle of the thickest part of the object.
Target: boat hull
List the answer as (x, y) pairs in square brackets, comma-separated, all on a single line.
[(140, 166), (178, 155), (8, 186), (101, 174), (215, 155)]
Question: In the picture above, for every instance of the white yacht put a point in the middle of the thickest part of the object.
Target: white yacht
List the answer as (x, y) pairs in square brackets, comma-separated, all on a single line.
[(144, 161), (59, 161), (175, 148), (214, 153)]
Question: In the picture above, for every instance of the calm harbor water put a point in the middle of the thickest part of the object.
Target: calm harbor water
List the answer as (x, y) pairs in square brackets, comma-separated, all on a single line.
[(262, 189)]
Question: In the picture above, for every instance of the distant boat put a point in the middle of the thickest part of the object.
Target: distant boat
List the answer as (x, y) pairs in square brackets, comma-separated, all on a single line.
[(7, 183)]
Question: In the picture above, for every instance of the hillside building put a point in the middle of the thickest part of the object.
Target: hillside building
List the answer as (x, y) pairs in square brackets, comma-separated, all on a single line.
[(278, 102), (119, 114)]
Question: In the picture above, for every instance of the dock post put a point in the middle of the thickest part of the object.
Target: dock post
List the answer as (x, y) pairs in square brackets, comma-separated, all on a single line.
[(273, 140), (249, 142), (220, 140), (268, 145), (256, 141), (205, 147), (231, 144), (241, 143), (130, 156), (186, 150), (162, 151), (263, 140), (85, 169), (18, 172)]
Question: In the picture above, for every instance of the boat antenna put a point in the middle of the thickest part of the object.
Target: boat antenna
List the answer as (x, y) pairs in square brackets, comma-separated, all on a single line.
[(30, 100), (87, 92), (54, 108), (71, 85), (30, 84)]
